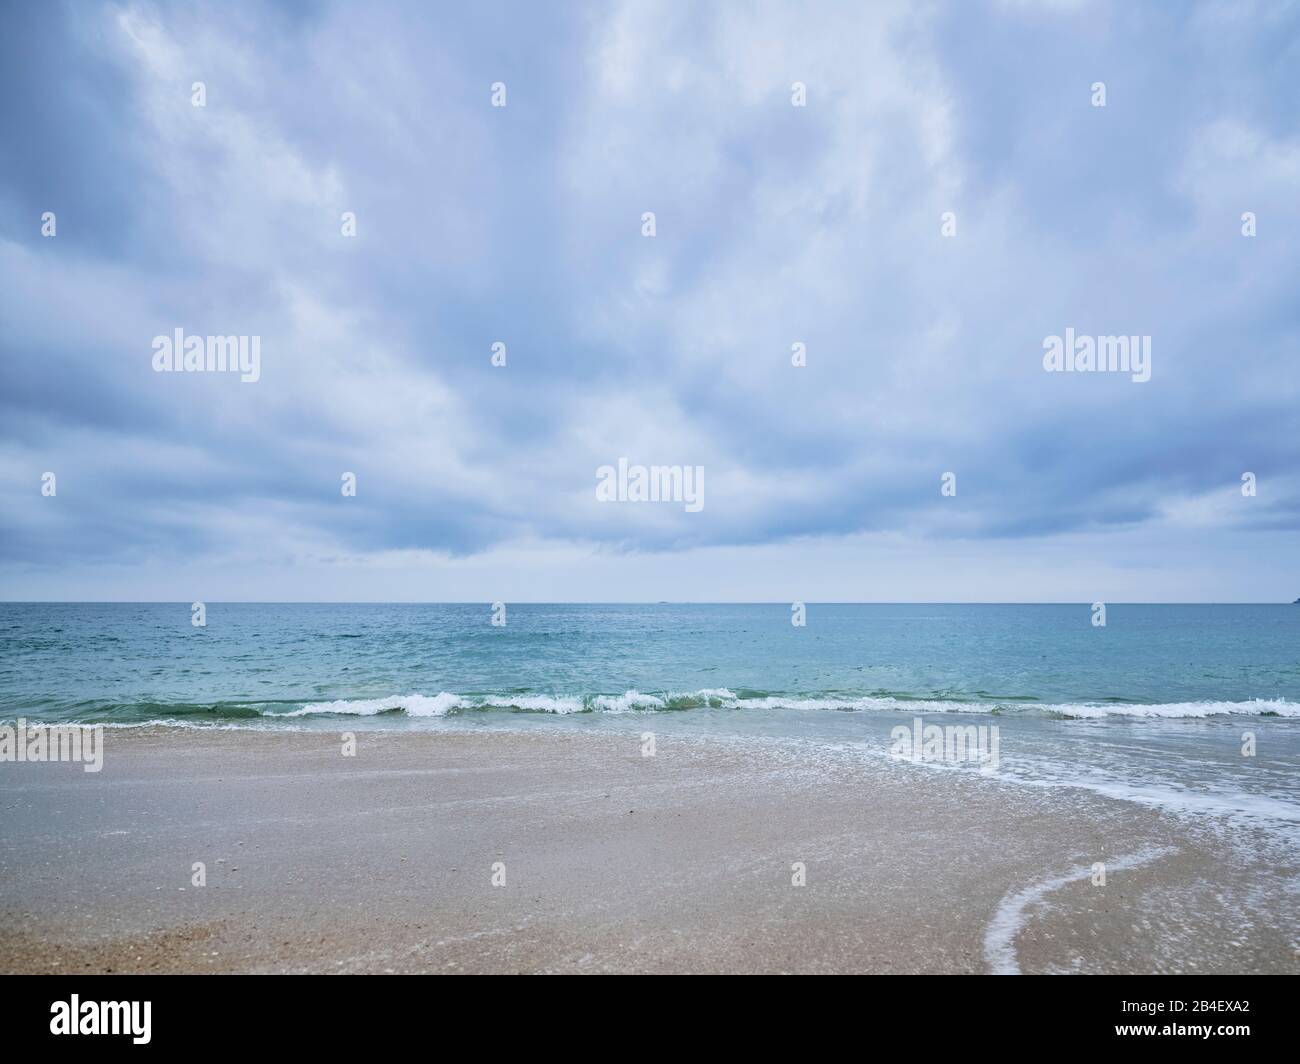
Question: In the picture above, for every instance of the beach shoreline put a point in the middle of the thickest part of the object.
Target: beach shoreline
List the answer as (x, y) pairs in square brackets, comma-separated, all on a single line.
[(500, 851)]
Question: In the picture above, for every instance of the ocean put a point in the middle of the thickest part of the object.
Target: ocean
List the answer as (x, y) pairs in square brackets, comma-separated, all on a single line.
[(1191, 708)]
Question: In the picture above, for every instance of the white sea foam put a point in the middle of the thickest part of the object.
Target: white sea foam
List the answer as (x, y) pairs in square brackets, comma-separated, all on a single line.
[(1255, 707), (627, 703), (1174, 797), (439, 705), (1013, 911), (412, 705), (443, 703), (531, 703)]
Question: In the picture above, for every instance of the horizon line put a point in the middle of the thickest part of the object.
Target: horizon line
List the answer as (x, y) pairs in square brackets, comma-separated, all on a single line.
[(623, 602)]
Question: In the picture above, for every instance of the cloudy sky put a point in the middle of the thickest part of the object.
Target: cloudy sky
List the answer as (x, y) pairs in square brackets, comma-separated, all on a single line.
[(774, 225)]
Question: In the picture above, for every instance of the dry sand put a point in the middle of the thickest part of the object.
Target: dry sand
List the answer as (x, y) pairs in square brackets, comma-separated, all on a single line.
[(681, 862)]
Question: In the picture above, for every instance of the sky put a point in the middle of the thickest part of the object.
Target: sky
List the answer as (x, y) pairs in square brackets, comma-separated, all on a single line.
[(918, 194)]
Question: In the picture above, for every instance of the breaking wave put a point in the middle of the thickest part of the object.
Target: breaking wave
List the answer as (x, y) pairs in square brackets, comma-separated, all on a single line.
[(445, 703), (449, 704)]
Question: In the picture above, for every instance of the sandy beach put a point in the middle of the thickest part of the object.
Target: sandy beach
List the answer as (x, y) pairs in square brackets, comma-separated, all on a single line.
[(612, 862)]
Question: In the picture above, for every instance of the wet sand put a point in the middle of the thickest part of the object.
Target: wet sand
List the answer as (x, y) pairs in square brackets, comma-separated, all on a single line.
[(613, 862)]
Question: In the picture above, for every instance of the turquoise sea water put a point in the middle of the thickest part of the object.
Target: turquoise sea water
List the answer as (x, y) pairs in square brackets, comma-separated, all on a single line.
[(1154, 706)]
